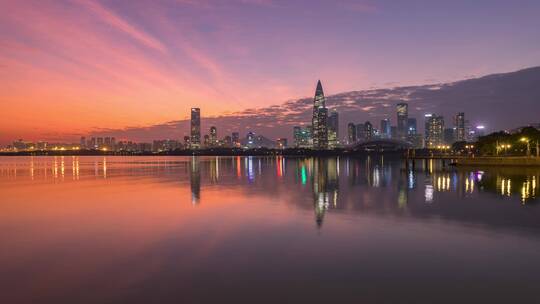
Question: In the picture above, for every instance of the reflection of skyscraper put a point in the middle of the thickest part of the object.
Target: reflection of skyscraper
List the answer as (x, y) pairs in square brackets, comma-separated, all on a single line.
[(402, 119), (325, 186), (319, 119), (195, 128), (195, 181), (333, 129)]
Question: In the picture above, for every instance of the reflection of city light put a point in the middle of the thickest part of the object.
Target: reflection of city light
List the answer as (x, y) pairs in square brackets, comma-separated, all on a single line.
[(429, 193), (104, 167), (238, 167), (411, 179), (304, 175), (376, 177), (250, 173)]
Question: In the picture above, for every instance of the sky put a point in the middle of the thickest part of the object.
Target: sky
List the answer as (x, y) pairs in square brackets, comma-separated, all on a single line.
[(72, 68)]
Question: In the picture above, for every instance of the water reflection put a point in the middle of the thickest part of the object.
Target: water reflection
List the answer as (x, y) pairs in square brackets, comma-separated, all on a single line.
[(163, 227), (368, 183)]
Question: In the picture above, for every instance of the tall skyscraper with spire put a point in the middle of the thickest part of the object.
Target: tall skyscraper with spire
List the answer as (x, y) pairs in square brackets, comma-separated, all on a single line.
[(319, 120)]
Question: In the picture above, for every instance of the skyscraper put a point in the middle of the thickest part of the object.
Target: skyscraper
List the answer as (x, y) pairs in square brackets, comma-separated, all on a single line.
[(385, 128), (411, 127), (351, 133), (195, 128), (213, 136), (302, 137), (319, 119), (333, 129), (434, 130), (459, 125), (368, 130), (402, 119)]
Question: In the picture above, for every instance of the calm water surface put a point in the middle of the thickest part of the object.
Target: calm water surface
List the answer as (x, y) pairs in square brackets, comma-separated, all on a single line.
[(265, 230)]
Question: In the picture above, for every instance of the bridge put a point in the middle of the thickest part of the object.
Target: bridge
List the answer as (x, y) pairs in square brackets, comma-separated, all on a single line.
[(381, 145)]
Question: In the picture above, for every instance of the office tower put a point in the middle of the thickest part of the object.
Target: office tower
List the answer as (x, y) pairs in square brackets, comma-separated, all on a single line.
[(393, 132), (100, 142), (351, 133), (236, 139), (93, 143), (434, 129), (402, 119), (195, 141), (83, 142), (282, 143), (213, 136), (250, 139), (449, 136), (206, 140), (459, 127), (368, 130), (360, 136), (227, 141), (411, 127), (333, 129), (319, 119), (302, 137), (385, 128)]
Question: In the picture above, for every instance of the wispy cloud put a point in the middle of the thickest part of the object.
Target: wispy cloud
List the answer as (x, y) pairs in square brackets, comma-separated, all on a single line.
[(122, 25)]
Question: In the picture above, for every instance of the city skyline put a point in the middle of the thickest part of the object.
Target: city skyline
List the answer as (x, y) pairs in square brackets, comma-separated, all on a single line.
[(140, 71)]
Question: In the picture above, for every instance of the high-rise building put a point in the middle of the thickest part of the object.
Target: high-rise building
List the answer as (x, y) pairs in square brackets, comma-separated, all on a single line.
[(351, 133), (459, 127), (302, 137), (83, 142), (250, 139), (434, 129), (333, 129), (360, 134), (402, 120), (319, 119), (449, 136), (195, 128), (235, 139), (227, 141), (411, 127), (206, 140), (385, 128), (368, 130), (213, 136)]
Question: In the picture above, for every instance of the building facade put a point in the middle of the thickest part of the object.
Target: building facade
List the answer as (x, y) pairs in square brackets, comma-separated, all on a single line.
[(195, 141), (434, 129), (351, 133), (333, 129), (402, 120), (319, 119)]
